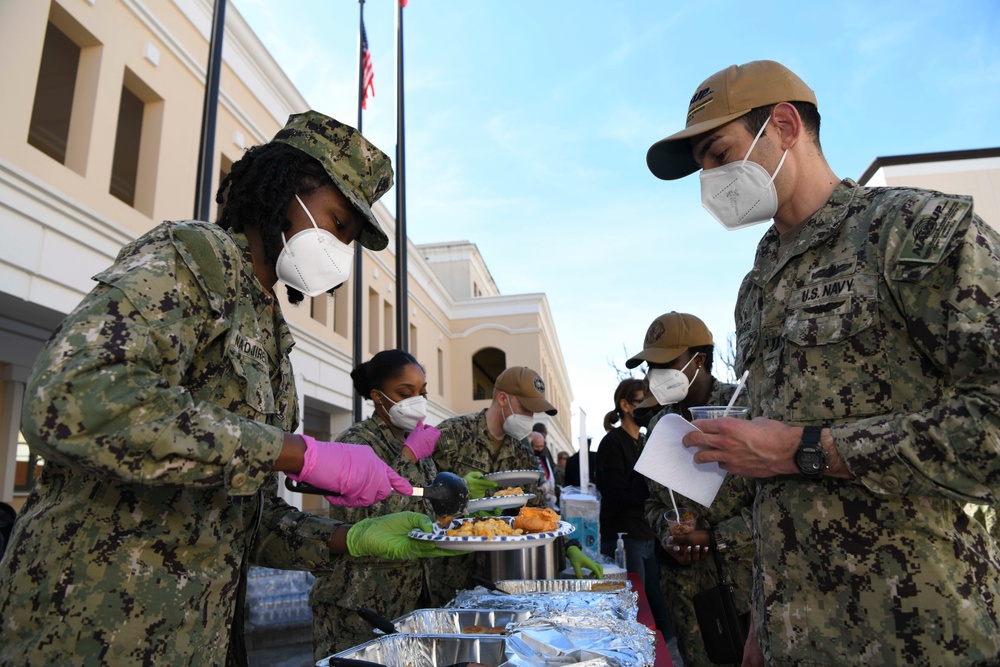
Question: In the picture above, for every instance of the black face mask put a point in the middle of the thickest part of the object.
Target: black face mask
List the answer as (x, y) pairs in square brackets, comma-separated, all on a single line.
[(643, 415)]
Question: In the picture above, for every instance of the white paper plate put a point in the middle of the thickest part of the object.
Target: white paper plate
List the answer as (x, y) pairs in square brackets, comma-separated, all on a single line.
[(501, 543), (515, 477), (503, 502)]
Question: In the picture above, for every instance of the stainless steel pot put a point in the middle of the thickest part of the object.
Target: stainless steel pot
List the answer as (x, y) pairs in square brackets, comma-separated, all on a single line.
[(542, 562)]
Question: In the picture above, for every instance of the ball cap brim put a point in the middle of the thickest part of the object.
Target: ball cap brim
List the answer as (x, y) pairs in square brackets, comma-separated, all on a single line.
[(360, 171), (527, 386), (720, 99)]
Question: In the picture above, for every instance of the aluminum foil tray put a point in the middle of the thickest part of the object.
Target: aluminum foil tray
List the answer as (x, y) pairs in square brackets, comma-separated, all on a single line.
[(453, 621), (524, 586), (424, 651), (622, 605)]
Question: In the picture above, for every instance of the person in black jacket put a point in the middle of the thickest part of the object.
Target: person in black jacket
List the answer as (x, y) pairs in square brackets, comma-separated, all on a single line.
[(623, 497)]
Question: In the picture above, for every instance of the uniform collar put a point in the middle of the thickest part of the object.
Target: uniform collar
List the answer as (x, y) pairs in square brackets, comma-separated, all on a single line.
[(815, 230)]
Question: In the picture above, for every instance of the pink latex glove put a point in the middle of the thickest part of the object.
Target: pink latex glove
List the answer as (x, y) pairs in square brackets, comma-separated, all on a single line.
[(353, 472), (421, 440)]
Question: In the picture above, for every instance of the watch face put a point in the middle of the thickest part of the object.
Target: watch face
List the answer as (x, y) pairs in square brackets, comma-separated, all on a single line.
[(810, 462)]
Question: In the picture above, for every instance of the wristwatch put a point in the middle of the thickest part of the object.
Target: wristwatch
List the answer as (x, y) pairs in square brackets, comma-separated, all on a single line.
[(810, 457)]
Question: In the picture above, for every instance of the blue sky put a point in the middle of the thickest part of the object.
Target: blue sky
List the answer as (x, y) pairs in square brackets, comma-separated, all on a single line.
[(528, 121)]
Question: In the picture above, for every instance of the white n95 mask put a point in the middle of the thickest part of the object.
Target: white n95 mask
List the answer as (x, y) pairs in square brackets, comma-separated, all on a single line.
[(670, 385), (740, 194), (407, 413), (515, 425), (313, 261)]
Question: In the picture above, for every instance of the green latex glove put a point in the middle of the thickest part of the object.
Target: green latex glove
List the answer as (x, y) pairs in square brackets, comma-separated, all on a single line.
[(485, 514), (477, 485), (387, 537), (578, 560)]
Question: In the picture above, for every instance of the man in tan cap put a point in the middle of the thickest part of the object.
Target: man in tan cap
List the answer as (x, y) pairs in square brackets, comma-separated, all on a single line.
[(164, 406), (679, 351), (870, 325), (491, 440)]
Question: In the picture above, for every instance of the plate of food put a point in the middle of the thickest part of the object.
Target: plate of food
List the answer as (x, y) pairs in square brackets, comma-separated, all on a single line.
[(497, 500), (514, 477), (532, 527)]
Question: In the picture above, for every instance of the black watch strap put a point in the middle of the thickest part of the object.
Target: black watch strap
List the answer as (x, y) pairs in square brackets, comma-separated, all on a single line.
[(810, 457)]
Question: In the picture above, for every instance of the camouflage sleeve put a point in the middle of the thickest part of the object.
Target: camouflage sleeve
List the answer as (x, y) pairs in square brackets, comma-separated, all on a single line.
[(106, 395), (943, 271), (446, 449), (290, 539), (736, 532)]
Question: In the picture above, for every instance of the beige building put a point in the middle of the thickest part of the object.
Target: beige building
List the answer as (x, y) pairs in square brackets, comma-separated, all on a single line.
[(102, 116), (975, 173)]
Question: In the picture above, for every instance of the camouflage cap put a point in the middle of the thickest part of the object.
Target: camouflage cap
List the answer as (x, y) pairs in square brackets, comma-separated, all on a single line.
[(527, 386), (359, 170), (669, 336), (721, 98)]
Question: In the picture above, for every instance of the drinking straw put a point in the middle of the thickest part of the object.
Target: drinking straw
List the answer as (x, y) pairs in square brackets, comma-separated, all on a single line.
[(736, 394), (677, 512)]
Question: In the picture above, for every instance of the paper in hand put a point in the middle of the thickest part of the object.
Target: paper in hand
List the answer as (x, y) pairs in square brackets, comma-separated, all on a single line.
[(667, 461)]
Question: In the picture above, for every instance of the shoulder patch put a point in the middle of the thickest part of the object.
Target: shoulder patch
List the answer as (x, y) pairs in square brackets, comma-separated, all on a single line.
[(933, 226), (203, 249)]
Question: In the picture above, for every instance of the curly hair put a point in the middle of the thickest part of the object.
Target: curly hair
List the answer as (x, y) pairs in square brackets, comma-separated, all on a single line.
[(258, 189)]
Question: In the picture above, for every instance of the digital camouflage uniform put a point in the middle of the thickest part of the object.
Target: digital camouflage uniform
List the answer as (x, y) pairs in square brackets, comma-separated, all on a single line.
[(466, 446), (388, 587), (880, 321), (731, 515), (158, 405)]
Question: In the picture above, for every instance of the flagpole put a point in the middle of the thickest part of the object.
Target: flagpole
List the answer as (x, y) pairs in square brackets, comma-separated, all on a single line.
[(210, 108), (402, 283), (358, 250)]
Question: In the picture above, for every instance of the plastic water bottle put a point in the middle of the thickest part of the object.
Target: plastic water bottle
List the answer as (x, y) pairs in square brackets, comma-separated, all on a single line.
[(620, 552)]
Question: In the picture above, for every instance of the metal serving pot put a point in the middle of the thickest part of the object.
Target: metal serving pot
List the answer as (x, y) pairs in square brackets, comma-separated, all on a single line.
[(541, 562)]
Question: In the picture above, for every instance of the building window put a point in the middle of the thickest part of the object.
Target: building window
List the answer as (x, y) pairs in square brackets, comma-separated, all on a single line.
[(373, 316), (389, 324), (28, 466), (225, 166), (133, 170), (440, 372), (341, 298), (487, 364), (318, 307), (125, 168), (50, 115), (413, 340), (475, 289)]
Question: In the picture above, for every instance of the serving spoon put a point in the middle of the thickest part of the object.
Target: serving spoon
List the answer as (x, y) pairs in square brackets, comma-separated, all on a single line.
[(448, 493)]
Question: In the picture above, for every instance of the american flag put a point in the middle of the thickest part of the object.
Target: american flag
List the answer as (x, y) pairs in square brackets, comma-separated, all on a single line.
[(366, 68)]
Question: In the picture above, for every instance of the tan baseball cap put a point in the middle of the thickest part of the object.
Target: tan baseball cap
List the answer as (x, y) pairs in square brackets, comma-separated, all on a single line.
[(527, 386), (360, 171), (721, 98), (669, 336)]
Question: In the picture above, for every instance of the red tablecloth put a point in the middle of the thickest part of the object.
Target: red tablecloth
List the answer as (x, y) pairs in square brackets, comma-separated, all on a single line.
[(645, 616)]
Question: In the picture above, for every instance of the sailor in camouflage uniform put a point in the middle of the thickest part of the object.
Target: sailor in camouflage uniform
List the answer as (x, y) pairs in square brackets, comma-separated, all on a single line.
[(163, 406), (388, 587), (672, 341), (492, 440), (870, 324)]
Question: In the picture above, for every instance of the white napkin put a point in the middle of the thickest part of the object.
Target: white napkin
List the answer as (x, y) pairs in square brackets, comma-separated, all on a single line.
[(666, 460)]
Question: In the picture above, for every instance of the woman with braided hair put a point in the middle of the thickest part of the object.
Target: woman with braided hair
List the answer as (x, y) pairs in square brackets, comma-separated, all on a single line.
[(164, 405)]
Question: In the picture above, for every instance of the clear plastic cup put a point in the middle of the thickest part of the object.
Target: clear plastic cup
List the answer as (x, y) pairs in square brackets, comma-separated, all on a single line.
[(682, 525), (716, 411)]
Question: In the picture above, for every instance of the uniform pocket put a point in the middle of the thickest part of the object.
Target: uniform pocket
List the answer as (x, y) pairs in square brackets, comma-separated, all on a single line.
[(253, 377), (836, 363)]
